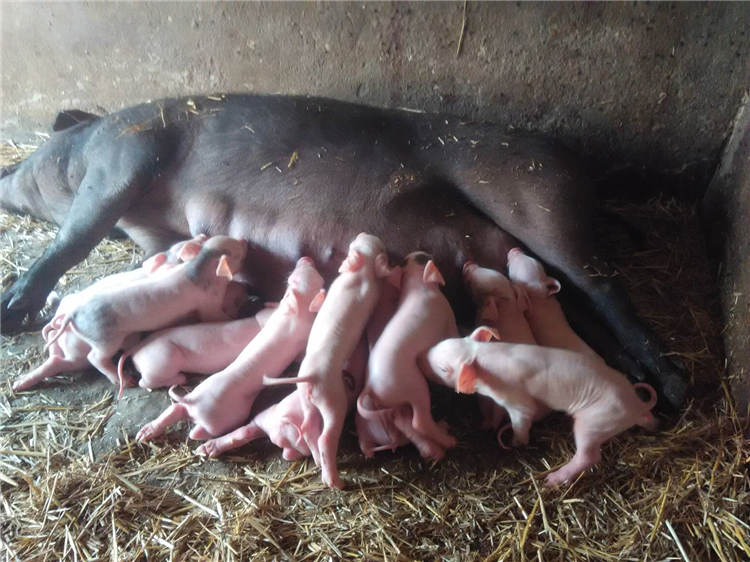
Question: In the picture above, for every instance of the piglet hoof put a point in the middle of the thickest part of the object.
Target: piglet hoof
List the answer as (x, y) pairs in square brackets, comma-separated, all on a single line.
[(290, 454), (145, 434), (555, 479), (437, 454), (333, 482), (208, 449)]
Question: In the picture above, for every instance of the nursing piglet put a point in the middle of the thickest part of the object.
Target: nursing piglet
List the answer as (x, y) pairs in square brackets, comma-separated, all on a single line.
[(182, 251), (69, 352), (500, 305), (164, 357), (395, 404), (337, 330), (281, 422), (223, 402), (196, 288), (601, 400), (377, 431), (545, 315)]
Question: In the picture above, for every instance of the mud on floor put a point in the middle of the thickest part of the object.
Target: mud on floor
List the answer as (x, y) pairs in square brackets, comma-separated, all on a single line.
[(74, 485)]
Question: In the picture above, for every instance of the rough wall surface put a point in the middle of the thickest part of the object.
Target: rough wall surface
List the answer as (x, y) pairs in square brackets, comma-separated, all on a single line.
[(726, 214), (642, 87)]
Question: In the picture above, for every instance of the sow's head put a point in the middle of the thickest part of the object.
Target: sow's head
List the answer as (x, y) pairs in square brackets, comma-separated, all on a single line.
[(38, 186)]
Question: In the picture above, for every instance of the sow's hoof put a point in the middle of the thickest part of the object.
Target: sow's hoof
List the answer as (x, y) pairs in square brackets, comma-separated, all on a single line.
[(13, 314), (671, 385)]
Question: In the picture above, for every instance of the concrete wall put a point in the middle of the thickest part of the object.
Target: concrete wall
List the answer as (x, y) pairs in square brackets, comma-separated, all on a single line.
[(650, 88), (726, 216)]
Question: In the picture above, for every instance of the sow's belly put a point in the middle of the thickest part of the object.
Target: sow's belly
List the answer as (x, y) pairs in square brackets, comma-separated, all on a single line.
[(451, 231)]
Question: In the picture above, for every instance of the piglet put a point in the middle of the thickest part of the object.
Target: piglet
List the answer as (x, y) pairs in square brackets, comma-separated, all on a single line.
[(222, 402), (69, 352), (165, 356), (500, 305), (337, 330), (182, 251), (519, 377), (195, 288), (395, 405), (281, 422), (545, 315)]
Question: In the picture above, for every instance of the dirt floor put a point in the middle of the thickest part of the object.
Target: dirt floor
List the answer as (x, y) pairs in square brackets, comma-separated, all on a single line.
[(75, 485)]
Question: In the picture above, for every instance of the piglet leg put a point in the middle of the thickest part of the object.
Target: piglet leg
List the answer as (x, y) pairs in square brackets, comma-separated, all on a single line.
[(328, 444), (425, 425), (426, 447), (172, 415), (54, 365), (102, 360), (492, 414), (588, 453), (233, 440)]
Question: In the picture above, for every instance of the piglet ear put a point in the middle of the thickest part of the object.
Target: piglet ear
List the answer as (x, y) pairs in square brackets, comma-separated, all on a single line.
[(353, 262), (292, 300), (467, 379), (154, 262), (381, 266), (432, 274), (189, 251), (318, 301), (223, 269), (489, 312), (484, 334), (522, 298), (553, 286), (395, 277)]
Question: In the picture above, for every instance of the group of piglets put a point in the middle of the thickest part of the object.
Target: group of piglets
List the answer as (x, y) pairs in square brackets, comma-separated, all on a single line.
[(369, 343)]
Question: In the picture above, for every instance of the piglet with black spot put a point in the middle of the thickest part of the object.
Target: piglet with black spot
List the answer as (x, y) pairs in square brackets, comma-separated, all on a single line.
[(194, 289), (69, 352)]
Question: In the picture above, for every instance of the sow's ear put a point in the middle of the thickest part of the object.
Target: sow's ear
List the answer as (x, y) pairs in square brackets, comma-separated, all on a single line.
[(72, 117), (467, 379), (484, 333)]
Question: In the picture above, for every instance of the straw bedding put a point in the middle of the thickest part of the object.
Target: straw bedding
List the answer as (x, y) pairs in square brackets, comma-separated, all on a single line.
[(65, 494)]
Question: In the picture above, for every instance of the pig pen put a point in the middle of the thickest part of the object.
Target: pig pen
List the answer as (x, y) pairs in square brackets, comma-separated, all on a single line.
[(74, 485)]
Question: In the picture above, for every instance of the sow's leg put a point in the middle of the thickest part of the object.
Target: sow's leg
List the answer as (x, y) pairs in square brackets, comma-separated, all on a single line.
[(116, 175), (551, 212)]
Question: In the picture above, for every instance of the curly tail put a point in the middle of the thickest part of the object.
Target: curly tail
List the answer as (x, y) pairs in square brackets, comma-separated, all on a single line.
[(67, 321), (646, 420), (120, 368), (652, 393)]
